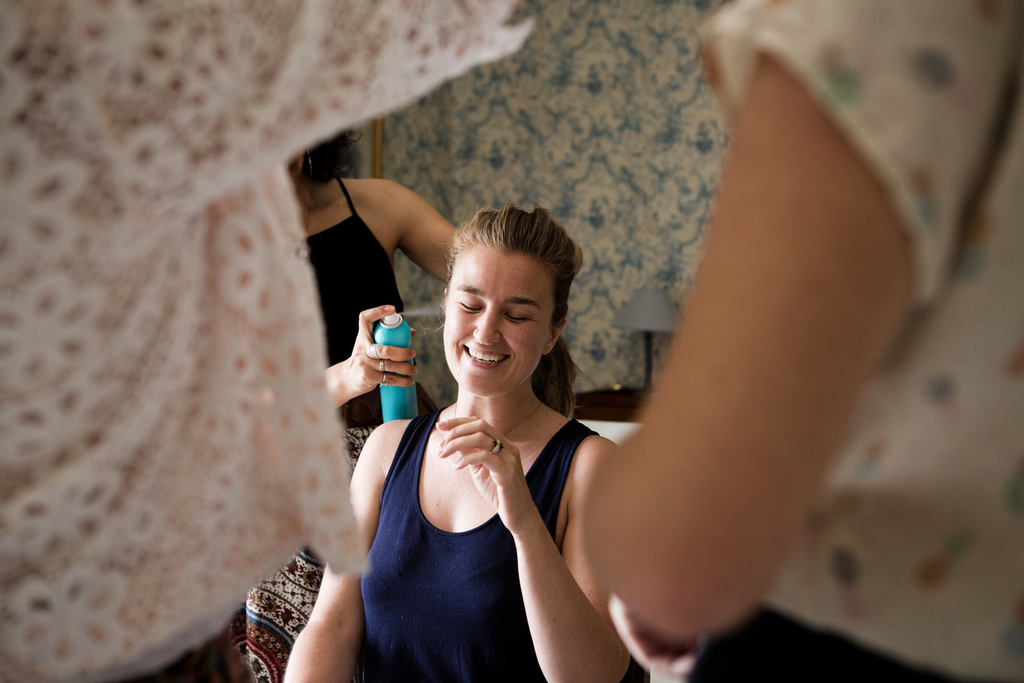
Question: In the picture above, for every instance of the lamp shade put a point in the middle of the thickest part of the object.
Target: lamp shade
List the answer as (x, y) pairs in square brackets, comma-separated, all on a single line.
[(649, 310)]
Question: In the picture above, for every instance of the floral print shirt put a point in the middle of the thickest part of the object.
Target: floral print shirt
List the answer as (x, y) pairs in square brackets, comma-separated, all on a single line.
[(917, 547)]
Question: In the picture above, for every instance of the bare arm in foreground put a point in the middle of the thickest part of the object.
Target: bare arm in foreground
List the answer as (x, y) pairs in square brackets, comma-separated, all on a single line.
[(804, 283)]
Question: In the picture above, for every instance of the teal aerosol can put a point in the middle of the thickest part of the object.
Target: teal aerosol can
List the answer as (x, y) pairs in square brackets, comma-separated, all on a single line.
[(397, 403)]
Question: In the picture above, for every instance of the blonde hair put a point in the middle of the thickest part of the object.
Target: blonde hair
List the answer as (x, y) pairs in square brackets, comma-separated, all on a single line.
[(512, 230)]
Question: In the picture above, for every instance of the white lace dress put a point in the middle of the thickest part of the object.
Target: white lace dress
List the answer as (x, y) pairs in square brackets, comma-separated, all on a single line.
[(166, 439)]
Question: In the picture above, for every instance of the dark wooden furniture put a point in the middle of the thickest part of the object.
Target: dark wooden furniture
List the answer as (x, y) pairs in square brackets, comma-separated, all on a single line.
[(615, 405)]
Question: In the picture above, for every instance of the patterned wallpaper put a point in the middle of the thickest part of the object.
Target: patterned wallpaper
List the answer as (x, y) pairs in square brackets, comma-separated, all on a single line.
[(604, 118)]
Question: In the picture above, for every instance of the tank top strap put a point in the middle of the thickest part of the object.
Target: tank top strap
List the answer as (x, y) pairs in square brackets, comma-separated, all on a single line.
[(351, 206), (548, 474), (403, 476)]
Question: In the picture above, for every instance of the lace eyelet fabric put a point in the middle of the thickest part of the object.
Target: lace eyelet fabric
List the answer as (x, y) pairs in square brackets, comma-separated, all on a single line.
[(166, 438)]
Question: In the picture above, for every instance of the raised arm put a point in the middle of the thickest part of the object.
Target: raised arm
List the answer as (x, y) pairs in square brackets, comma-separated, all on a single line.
[(329, 646), (804, 283), (402, 219)]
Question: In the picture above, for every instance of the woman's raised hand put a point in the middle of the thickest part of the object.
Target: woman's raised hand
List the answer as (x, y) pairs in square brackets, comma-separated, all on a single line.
[(495, 466), (370, 364)]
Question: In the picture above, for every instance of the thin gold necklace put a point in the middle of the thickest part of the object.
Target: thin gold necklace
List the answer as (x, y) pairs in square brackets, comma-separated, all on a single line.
[(508, 433)]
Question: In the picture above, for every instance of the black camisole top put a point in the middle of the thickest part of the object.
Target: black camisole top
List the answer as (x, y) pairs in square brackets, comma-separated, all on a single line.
[(353, 273)]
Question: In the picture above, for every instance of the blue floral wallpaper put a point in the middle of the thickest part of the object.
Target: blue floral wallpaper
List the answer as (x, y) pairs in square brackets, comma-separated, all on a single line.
[(604, 118)]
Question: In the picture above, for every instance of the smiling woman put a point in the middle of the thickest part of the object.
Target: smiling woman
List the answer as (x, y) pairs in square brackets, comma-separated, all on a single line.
[(516, 240), (472, 512), (492, 336)]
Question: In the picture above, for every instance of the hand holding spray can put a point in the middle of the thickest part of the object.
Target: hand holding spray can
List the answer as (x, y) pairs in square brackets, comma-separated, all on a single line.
[(397, 403)]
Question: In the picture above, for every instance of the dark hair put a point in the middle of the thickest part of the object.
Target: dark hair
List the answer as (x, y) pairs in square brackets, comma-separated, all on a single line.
[(331, 158), (512, 230)]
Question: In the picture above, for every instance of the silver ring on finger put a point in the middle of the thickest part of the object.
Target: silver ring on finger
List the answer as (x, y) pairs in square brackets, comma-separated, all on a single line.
[(384, 380), (372, 353), (497, 445), (381, 368)]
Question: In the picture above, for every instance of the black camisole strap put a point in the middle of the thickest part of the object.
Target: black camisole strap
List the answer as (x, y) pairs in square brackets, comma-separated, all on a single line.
[(351, 206)]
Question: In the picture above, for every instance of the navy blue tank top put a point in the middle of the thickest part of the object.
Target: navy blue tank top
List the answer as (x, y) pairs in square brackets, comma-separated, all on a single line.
[(443, 606), (353, 273)]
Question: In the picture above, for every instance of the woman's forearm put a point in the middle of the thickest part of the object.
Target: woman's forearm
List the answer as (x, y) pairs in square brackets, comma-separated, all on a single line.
[(340, 391), (328, 648), (322, 655), (573, 641)]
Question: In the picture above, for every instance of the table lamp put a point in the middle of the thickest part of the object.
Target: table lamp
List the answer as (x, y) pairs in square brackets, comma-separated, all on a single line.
[(650, 311)]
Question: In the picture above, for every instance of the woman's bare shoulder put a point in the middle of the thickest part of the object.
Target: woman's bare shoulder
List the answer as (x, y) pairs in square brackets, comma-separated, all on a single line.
[(400, 218), (596, 446), (590, 452), (377, 194), (381, 446)]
